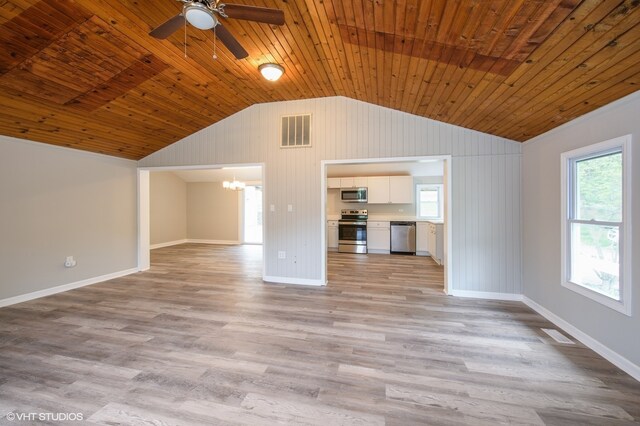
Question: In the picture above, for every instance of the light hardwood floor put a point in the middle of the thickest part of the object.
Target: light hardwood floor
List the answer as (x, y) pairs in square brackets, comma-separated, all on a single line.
[(200, 339)]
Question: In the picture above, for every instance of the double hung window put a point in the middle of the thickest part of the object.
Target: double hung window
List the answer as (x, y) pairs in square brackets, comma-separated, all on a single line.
[(596, 222)]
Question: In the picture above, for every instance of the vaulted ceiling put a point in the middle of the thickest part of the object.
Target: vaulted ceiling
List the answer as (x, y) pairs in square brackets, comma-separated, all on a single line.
[(87, 75)]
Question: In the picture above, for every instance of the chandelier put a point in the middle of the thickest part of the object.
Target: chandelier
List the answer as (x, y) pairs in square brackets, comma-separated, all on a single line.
[(234, 185)]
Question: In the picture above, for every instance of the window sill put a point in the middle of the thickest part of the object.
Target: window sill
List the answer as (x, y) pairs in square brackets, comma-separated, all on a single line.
[(624, 306)]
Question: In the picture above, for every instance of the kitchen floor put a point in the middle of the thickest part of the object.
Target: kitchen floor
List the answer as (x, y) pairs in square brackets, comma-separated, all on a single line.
[(200, 339)]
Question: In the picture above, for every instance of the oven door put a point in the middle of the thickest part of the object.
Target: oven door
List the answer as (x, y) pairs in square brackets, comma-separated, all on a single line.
[(352, 232)]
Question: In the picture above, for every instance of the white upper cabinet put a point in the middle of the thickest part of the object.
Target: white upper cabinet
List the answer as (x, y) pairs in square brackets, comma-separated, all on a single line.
[(401, 189), (381, 189), (390, 189), (360, 182), (353, 182), (378, 192), (347, 182), (333, 183)]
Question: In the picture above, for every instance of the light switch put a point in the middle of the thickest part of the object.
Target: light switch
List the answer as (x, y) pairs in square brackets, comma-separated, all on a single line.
[(272, 208), (289, 207)]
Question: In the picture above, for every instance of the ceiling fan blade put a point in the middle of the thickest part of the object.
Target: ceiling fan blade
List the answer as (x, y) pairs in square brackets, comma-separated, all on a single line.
[(169, 27), (230, 42), (253, 13)]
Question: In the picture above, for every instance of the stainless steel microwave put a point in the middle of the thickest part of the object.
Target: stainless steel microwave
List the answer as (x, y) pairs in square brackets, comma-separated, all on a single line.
[(354, 195)]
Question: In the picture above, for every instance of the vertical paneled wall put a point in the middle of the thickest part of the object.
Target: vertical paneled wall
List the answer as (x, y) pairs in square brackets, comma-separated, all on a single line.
[(485, 181)]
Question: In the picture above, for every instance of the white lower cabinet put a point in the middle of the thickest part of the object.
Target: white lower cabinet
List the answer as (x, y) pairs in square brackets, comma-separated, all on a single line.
[(332, 235), (422, 239), (436, 242), (378, 237)]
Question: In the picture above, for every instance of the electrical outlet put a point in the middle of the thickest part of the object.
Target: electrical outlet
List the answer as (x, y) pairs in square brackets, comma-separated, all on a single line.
[(70, 262), (282, 255)]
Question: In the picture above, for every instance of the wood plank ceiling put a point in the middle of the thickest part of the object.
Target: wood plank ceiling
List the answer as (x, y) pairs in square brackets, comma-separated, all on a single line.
[(87, 75)]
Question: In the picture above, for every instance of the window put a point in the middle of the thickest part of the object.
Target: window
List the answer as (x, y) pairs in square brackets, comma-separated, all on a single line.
[(596, 228), (429, 201)]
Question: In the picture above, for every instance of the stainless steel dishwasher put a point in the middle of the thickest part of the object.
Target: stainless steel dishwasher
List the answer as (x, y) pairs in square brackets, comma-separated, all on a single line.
[(403, 237)]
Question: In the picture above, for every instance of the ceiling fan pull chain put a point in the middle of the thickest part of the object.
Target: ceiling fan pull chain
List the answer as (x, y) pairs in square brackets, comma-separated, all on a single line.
[(185, 35), (215, 39)]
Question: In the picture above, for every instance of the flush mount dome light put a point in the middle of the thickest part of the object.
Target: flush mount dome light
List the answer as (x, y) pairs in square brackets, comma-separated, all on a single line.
[(271, 72), (200, 16)]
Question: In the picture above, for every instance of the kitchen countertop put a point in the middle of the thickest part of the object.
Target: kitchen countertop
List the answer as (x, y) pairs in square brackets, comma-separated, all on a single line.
[(381, 218)]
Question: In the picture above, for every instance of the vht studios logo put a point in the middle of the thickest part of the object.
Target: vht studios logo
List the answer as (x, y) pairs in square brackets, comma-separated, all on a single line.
[(45, 417)]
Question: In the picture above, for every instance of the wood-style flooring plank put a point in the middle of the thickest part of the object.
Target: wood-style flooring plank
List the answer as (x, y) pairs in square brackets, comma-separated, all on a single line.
[(200, 339)]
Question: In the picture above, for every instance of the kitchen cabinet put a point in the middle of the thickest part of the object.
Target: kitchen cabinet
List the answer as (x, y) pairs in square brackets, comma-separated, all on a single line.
[(422, 239), (333, 183), (353, 182), (332, 235), (390, 189), (435, 241), (378, 190), (378, 237), (381, 189), (346, 182), (361, 182), (401, 189)]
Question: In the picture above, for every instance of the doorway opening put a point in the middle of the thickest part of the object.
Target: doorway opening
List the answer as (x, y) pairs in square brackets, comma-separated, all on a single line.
[(213, 200), (413, 192), (252, 212)]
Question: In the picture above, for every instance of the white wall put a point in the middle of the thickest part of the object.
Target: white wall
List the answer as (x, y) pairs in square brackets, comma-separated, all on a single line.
[(212, 212), (542, 218), (485, 181), (57, 202), (168, 208)]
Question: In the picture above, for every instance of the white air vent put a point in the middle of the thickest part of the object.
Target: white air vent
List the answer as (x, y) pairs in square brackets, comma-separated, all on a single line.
[(296, 131)]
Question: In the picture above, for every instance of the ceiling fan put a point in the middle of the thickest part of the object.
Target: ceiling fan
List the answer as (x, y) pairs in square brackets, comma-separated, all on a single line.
[(206, 14)]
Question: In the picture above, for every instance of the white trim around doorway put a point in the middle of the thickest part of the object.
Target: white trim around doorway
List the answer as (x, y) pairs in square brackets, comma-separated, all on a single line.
[(448, 213)]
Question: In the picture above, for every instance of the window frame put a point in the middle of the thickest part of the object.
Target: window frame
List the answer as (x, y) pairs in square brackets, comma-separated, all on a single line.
[(440, 188), (568, 205)]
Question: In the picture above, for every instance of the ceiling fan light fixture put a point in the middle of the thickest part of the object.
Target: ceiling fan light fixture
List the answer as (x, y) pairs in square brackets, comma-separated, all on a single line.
[(271, 72), (200, 16)]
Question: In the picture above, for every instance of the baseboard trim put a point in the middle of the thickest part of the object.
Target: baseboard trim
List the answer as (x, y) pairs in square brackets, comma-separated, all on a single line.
[(64, 287), (486, 295), (292, 280), (221, 242), (613, 357), (168, 244), (377, 251)]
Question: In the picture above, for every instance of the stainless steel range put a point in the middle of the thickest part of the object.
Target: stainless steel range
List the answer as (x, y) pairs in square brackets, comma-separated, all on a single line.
[(352, 230)]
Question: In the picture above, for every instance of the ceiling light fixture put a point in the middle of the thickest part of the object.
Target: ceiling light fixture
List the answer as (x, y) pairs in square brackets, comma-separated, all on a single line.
[(271, 72), (200, 16)]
